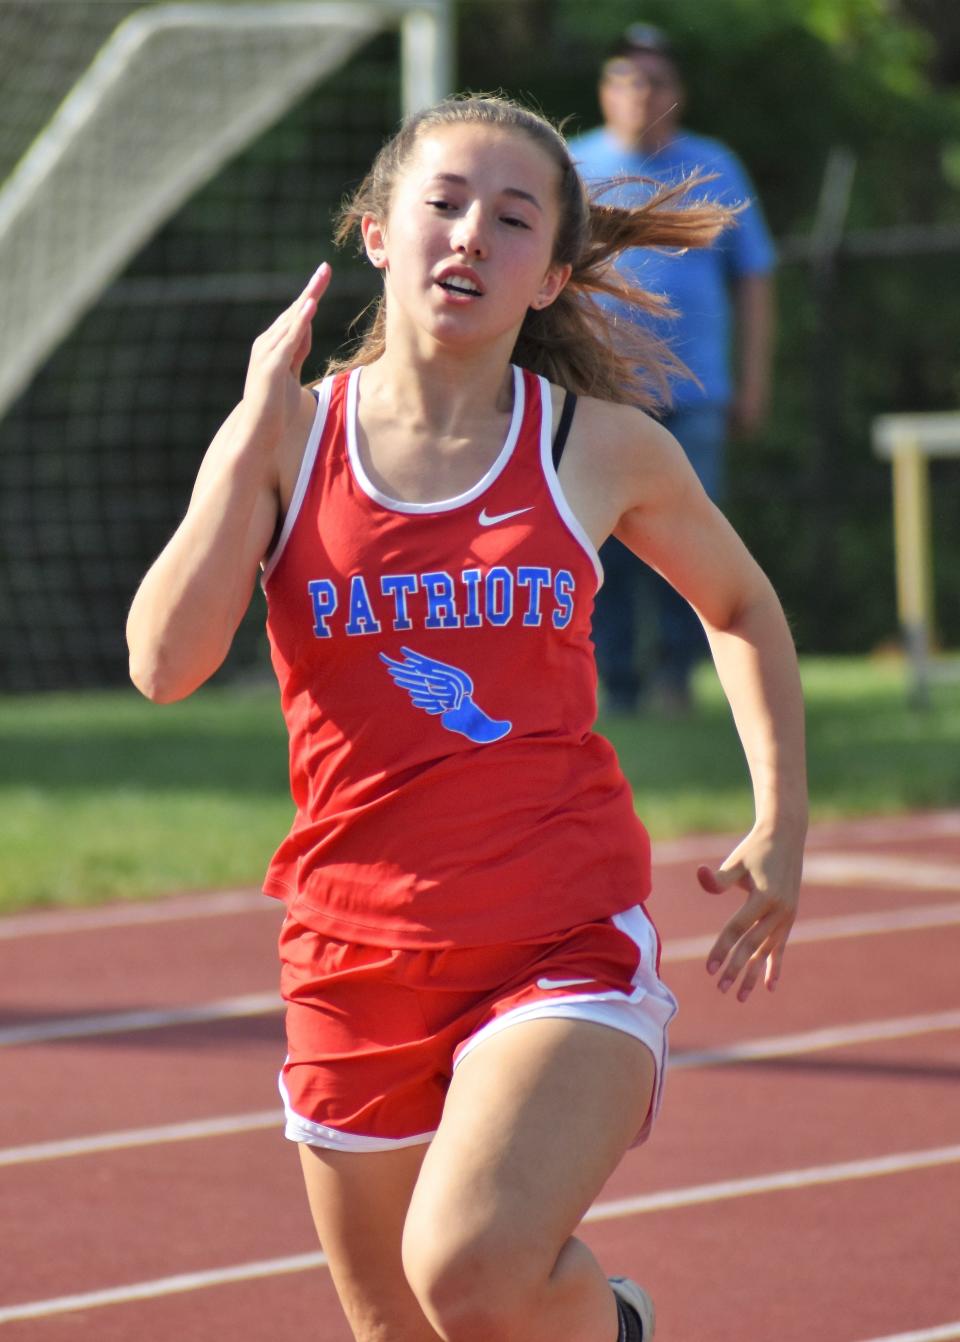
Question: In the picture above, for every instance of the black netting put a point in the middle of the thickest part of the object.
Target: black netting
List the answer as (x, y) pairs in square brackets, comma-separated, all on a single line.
[(98, 456)]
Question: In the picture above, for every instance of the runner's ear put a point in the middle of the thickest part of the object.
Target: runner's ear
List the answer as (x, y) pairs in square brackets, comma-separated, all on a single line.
[(374, 241)]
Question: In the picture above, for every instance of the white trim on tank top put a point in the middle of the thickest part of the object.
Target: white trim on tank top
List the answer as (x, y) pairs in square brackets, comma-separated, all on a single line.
[(567, 515), (439, 505), (303, 478)]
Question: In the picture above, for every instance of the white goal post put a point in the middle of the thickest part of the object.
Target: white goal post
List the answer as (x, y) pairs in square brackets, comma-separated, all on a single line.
[(175, 91)]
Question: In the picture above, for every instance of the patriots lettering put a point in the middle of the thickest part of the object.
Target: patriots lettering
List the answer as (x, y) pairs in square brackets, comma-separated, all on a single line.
[(362, 619), (440, 600), (499, 595), (399, 586), (563, 590), (323, 594), (536, 579), (441, 608), (471, 579)]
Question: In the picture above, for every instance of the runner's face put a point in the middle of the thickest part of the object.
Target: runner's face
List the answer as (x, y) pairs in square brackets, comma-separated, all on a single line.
[(468, 243)]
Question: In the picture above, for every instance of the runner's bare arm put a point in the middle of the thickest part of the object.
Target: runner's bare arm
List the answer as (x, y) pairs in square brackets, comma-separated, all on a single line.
[(643, 488)]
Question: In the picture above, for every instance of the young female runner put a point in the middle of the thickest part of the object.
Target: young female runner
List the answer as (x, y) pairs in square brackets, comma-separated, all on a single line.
[(476, 1026)]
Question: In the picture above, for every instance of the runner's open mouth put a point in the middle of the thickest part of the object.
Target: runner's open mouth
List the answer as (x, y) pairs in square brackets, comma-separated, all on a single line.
[(457, 286)]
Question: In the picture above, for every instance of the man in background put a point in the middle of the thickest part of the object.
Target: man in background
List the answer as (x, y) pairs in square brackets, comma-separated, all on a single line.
[(723, 332)]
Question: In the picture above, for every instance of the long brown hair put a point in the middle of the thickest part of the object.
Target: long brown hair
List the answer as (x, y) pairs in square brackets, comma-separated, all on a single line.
[(575, 342)]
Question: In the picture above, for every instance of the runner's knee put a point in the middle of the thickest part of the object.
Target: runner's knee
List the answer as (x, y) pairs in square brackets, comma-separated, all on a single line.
[(471, 1287)]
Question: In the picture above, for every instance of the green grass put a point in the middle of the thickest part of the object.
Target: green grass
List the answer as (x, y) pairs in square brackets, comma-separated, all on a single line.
[(104, 796), (869, 752)]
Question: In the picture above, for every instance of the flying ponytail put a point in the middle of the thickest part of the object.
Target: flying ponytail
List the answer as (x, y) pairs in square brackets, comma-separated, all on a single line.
[(582, 344)]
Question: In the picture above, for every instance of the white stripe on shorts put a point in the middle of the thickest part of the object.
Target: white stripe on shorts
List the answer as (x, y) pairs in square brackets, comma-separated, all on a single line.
[(645, 1013), (299, 1129)]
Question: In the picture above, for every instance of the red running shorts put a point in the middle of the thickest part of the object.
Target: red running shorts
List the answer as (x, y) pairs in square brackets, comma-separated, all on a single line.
[(374, 1034)]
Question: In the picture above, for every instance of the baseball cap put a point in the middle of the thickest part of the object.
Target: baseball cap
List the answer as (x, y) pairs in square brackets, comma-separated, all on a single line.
[(643, 37)]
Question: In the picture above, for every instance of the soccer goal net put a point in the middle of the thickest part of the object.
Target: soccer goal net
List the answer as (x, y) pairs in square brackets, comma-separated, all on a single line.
[(168, 176)]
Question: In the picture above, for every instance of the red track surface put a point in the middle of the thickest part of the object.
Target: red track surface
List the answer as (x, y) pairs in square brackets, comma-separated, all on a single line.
[(859, 1062)]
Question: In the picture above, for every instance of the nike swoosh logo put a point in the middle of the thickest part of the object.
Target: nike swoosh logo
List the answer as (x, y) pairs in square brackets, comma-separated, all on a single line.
[(546, 984), (491, 520)]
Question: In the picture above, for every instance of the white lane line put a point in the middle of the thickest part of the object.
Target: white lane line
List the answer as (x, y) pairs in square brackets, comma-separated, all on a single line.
[(148, 1290), (888, 870), (943, 1332), (814, 1041), (669, 1199), (122, 1022), (889, 829), (676, 952), (807, 930), (782, 1181), (776, 1046), (56, 922), (261, 1004), (215, 903), (225, 1126), (835, 833), (820, 868)]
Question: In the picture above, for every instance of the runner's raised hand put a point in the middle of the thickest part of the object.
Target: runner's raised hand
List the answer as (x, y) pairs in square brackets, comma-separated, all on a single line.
[(271, 393)]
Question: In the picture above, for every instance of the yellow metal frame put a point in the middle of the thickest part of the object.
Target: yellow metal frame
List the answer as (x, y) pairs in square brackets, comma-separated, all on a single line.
[(908, 442)]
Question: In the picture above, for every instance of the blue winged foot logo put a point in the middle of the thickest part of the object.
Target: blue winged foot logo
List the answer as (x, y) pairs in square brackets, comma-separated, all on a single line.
[(438, 688)]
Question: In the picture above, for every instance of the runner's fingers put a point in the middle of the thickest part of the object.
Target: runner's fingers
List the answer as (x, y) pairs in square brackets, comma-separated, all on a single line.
[(764, 961), (292, 318), (737, 926), (774, 966), (746, 947), (717, 881), (281, 350), (287, 329), (751, 975), (306, 337), (280, 324)]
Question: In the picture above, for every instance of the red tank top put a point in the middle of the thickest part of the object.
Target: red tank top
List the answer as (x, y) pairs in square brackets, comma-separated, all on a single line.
[(438, 684)]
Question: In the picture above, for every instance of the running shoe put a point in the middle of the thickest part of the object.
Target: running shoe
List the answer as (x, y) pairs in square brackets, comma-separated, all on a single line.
[(636, 1297)]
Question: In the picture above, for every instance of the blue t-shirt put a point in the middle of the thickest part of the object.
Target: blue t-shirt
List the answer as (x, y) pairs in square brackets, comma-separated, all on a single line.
[(697, 282)]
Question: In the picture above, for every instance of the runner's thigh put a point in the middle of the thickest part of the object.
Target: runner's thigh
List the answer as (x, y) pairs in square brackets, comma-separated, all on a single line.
[(536, 1119), (359, 1203)]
